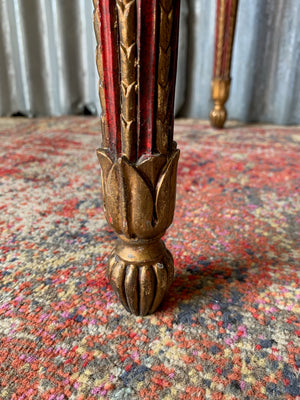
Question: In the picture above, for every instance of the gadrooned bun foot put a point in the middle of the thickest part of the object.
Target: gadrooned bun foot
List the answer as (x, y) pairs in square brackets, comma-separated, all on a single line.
[(218, 116), (140, 274)]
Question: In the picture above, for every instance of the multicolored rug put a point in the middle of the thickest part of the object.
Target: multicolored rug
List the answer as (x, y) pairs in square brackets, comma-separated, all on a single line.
[(229, 328)]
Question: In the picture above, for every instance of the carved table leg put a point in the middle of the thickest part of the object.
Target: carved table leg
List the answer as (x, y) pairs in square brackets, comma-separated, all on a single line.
[(225, 27), (137, 59)]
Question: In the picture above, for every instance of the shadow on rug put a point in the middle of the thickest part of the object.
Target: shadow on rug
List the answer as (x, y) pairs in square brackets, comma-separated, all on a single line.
[(230, 326)]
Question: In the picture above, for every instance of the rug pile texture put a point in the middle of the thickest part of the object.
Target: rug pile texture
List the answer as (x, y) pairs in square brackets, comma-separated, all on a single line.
[(230, 325)]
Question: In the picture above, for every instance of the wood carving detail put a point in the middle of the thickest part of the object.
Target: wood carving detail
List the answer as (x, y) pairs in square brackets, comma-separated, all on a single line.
[(141, 286), (139, 199), (136, 58), (163, 83), (128, 57)]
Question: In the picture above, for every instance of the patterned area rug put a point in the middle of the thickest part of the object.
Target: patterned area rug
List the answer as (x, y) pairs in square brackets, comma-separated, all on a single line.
[(230, 326)]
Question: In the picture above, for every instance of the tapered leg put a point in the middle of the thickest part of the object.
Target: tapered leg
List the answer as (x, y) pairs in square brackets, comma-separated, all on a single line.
[(137, 59), (225, 27)]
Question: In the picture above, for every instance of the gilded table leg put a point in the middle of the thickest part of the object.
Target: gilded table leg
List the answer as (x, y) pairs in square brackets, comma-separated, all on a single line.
[(225, 27), (137, 59)]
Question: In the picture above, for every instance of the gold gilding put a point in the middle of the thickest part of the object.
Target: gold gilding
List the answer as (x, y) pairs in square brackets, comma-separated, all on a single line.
[(220, 94), (139, 203)]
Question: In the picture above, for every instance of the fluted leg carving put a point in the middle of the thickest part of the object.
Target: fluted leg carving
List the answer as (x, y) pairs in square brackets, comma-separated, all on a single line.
[(136, 59), (225, 27)]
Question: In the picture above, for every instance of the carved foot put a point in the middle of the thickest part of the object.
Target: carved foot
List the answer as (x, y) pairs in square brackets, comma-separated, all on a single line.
[(220, 93), (140, 274), (139, 201), (218, 116)]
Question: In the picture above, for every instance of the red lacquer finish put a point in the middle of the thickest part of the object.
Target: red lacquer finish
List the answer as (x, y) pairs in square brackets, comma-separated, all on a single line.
[(173, 70), (224, 33), (151, 58), (215, 69), (108, 35), (147, 46)]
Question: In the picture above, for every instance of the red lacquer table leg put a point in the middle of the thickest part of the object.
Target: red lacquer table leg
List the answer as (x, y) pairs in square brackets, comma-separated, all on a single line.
[(136, 59), (225, 27)]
